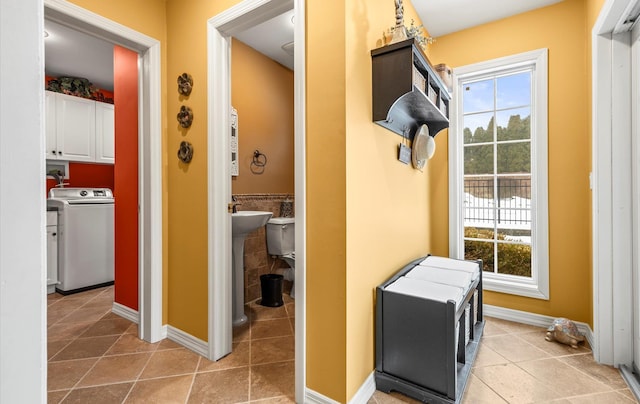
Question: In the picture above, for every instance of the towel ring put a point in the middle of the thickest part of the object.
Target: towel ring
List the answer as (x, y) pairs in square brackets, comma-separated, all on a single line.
[(258, 162)]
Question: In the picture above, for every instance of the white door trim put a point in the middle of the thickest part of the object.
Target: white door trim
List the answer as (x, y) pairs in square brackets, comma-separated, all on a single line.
[(611, 184), (300, 157), (220, 28), (150, 152)]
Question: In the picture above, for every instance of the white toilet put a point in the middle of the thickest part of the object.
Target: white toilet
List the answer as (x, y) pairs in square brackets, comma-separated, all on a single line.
[(281, 236)]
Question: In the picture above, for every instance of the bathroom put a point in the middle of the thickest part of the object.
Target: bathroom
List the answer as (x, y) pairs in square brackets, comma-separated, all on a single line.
[(263, 96)]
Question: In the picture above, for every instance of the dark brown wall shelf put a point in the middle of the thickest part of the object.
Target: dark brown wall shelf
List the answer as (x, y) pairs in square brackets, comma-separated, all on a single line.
[(400, 103)]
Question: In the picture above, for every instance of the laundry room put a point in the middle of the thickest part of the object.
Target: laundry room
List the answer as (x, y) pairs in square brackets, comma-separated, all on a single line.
[(91, 109)]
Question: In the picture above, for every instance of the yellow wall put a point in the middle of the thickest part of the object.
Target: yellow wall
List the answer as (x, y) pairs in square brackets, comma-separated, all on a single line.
[(262, 92), (388, 202), (187, 52), (564, 33), (368, 214), (147, 17), (326, 199)]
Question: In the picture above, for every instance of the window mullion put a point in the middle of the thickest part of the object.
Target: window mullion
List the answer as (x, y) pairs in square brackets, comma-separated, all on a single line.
[(496, 196)]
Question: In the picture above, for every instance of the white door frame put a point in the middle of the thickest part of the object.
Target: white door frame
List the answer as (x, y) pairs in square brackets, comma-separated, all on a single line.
[(220, 29), (612, 183), (149, 158)]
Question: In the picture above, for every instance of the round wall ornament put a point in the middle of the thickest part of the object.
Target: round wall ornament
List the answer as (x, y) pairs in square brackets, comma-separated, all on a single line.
[(185, 84), (185, 152), (185, 116)]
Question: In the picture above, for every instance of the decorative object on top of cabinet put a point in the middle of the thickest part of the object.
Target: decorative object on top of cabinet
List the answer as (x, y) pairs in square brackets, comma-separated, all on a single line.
[(446, 74), (185, 84), (399, 31), (234, 142), (185, 152), (398, 104), (76, 86), (185, 116), (413, 31)]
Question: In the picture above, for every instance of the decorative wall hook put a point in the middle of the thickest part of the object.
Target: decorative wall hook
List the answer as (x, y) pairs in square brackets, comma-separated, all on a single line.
[(185, 152), (185, 116), (185, 84)]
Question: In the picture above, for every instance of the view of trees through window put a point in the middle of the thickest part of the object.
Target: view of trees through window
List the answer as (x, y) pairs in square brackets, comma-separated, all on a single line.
[(497, 172)]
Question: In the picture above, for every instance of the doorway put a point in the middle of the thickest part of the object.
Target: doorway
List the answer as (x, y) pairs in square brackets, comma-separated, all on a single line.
[(615, 187), (149, 315), (219, 32)]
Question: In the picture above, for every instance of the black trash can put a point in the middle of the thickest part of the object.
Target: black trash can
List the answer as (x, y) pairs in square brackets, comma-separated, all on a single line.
[(271, 285)]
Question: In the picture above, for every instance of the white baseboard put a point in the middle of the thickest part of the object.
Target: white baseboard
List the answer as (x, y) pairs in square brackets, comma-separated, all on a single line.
[(365, 392), (188, 341), (362, 396), (125, 312), (174, 334), (314, 397), (538, 320)]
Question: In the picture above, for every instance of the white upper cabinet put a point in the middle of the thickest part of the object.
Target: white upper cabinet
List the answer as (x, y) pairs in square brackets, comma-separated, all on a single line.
[(76, 128), (79, 129), (50, 125), (105, 131)]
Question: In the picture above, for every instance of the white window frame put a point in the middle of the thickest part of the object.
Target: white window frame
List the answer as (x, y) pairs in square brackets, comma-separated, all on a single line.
[(538, 285)]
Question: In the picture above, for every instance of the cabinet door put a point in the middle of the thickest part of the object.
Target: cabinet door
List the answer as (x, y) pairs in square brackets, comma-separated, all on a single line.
[(52, 255), (50, 125), (76, 128), (105, 133)]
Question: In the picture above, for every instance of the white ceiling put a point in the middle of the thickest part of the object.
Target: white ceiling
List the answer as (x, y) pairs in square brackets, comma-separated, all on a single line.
[(441, 17), (72, 53), (68, 52), (269, 37)]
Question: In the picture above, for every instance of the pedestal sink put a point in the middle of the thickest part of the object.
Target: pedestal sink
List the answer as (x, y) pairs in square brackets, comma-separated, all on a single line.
[(242, 223)]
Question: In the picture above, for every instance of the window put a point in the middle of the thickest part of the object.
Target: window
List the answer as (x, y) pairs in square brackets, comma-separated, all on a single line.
[(498, 172)]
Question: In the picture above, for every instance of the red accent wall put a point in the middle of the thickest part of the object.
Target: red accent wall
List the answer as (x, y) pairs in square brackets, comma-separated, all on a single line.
[(87, 175), (125, 91)]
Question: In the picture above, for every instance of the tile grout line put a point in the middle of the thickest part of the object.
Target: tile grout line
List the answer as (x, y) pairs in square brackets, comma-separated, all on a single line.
[(551, 356), (193, 381), (487, 386), (94, 365), (587, 374)]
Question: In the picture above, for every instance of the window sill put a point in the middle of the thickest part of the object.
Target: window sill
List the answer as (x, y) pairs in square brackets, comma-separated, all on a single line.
[(514, 288)]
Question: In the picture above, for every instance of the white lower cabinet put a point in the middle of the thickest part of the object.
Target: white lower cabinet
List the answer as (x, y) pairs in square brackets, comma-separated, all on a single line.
[(78, 129), (52, 251)]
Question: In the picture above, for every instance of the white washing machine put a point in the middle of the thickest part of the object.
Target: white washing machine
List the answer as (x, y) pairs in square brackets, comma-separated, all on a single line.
[(85, 237)]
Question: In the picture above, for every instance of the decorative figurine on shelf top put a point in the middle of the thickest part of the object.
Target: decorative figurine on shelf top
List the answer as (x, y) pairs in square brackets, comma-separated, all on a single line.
[(565, 331), (399, 31), (185, 84)]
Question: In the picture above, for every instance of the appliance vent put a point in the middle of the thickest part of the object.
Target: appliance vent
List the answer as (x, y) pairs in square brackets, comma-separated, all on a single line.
[(288, 47)]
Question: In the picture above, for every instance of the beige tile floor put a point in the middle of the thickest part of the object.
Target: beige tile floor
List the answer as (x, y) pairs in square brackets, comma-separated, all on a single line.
[(516, 365), (95, 357)]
